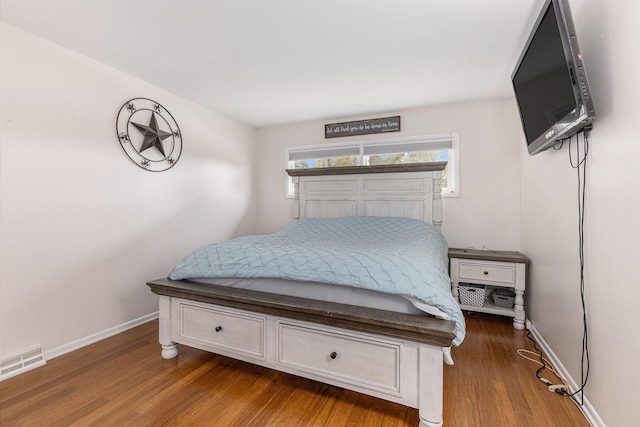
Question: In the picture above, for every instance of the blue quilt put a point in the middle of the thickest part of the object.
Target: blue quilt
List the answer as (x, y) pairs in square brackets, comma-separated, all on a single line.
[(393, 255)]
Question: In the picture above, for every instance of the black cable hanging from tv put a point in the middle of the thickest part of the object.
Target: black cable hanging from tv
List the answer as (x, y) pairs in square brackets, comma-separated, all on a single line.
[(581, 168)]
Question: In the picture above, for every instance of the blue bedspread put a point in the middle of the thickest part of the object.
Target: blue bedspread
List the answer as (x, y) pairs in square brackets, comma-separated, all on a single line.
[(393, 255)]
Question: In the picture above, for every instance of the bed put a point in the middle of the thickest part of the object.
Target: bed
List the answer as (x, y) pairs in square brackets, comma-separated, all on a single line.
[(357, 337)]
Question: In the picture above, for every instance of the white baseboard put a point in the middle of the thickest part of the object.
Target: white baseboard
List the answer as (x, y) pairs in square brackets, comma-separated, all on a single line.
[(587, 409), (18, 364), (82, 342)]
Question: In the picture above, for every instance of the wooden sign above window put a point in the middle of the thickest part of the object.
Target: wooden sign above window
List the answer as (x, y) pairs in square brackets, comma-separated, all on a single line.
[(362, 127)]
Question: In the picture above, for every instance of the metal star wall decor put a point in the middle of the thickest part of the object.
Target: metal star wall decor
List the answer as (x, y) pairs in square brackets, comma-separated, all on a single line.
[(148, 134)]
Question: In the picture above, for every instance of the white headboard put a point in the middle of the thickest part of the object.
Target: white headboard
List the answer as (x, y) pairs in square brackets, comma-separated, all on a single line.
[(406, 190)]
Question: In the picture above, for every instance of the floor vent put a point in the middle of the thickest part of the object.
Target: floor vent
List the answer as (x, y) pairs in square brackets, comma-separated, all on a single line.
[(22, 362)]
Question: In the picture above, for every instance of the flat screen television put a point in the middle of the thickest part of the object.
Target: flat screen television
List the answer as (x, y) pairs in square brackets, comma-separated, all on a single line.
[(550, 81)]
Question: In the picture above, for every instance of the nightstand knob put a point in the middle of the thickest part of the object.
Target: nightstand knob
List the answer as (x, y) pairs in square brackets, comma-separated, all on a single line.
[(218, 328), (486, 273), (333, 355)]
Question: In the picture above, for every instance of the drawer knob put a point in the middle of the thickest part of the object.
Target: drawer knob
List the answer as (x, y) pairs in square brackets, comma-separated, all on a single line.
[(218, 328), (333, 355), (486, 273)]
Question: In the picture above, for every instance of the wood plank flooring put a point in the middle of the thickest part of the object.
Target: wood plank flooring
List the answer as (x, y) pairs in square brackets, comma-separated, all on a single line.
[(123, 381)]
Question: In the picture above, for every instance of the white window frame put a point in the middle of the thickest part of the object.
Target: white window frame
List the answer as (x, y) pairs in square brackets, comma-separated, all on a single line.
[(358, 148)]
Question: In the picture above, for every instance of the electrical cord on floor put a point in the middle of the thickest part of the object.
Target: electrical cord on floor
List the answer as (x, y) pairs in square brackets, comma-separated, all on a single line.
[(561, 388)]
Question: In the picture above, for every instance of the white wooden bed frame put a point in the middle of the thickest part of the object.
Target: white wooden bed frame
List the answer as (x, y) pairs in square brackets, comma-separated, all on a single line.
[(392, 356)]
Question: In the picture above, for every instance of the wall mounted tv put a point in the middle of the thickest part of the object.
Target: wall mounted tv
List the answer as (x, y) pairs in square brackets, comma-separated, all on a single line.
[(550, 81)]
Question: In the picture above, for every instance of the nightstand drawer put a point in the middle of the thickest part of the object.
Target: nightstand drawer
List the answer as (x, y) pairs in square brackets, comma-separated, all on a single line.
[(487, 271), (219, 328)]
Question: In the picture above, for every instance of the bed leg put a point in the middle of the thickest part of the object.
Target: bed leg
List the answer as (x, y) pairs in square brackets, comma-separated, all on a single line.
[(169, 351), (169, 348), (431, 383)]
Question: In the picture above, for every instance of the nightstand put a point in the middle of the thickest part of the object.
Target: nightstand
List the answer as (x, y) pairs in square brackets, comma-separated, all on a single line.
[(493, 271)]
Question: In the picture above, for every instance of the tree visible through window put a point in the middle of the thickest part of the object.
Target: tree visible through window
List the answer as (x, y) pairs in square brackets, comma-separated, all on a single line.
[(327, 162), (415, 157)]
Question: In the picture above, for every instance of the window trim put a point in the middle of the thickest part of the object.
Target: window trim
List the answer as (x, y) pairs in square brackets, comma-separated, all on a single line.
[(436, 140)]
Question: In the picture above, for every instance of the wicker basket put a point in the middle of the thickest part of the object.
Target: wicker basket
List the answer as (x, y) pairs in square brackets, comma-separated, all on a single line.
[(471, 294)]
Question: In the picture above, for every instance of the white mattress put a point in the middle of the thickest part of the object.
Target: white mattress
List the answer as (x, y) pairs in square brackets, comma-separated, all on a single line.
[(331, 293)]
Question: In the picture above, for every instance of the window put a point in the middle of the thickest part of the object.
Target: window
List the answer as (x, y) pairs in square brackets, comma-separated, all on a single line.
[(416, 149)]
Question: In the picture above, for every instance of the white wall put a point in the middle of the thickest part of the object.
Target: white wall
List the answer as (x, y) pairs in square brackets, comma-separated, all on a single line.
[(609, 35), (83, 228), (488, 211)]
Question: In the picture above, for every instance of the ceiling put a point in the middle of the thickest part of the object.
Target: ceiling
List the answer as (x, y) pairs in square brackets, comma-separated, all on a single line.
[(270, 62)]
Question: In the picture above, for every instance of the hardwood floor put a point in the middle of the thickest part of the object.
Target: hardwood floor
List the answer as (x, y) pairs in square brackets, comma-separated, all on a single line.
[(123, 381)]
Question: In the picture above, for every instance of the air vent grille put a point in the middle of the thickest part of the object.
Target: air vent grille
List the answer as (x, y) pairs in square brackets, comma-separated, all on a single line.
[(22, 362)]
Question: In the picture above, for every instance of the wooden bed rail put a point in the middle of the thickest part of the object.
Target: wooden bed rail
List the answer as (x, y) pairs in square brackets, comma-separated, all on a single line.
[(421, 329)]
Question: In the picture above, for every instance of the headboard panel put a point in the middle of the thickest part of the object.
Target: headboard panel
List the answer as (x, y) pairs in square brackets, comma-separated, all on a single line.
[(408, 190)]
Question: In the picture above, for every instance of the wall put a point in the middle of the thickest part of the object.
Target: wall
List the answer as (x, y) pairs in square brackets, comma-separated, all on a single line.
[(488, 211), (610, 39), (82, 228)]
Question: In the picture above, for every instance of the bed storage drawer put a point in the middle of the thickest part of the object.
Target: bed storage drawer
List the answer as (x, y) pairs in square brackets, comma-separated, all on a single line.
[(350, 357), (219, 328), (487, 271)]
